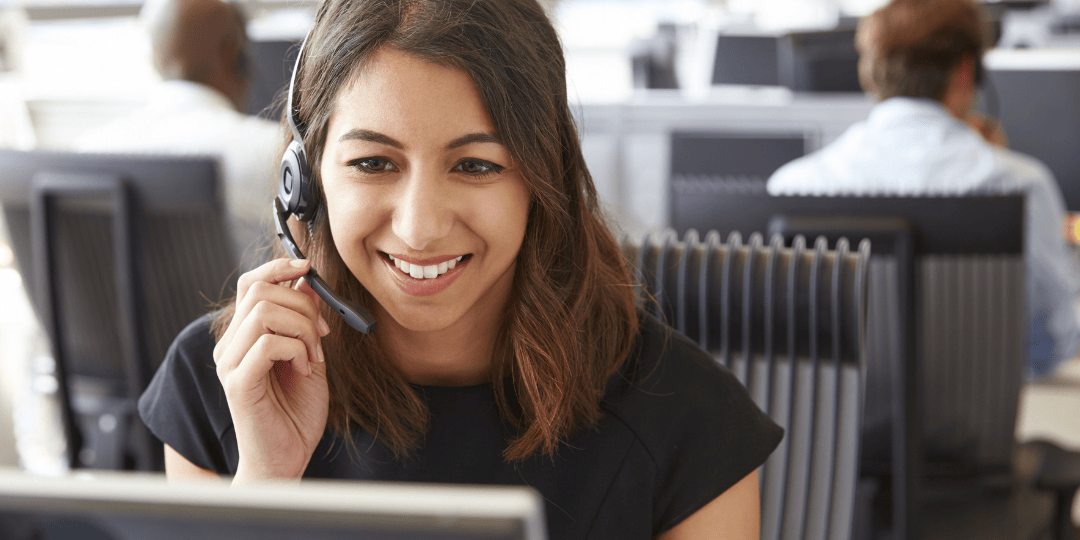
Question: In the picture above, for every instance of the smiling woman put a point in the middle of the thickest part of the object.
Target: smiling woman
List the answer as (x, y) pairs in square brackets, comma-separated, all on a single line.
[(453, 201)]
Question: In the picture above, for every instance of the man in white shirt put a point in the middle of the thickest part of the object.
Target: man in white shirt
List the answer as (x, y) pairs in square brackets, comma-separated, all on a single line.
[(921, 60), (198, 50)]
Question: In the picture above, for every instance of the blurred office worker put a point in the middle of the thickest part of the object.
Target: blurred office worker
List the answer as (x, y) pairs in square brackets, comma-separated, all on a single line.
[(198, 49), (922, 60)]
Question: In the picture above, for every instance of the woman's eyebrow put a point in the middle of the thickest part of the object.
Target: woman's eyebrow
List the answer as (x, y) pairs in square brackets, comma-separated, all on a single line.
[(376, 137), (473, 138), (372, 136)]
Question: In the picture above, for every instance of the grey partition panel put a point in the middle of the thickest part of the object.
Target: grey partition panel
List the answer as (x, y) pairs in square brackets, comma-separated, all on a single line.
[(705, 165), (790, 323), (972, 337), (726, 155)]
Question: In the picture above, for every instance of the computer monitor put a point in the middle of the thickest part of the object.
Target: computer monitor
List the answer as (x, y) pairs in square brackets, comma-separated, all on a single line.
[(746, 60), (119, 253), (270, 64), (1037, 107), (130, 506), (819, 61)]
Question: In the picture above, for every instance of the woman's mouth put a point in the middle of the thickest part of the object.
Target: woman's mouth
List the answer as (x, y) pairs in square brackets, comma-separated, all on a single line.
[(419, 279), (430, 271)]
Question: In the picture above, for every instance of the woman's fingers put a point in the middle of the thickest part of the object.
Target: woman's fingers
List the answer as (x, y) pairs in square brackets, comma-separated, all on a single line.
[(293, 299), (275, 271), (263, 284), (269, 318), (268, 350)]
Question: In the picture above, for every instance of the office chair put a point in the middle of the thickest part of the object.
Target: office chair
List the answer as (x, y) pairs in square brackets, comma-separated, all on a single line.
[(119, 253), (946, 348), (789, 322)]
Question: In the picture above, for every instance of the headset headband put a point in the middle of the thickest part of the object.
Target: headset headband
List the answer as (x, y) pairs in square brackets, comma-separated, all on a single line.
[(293, 118)]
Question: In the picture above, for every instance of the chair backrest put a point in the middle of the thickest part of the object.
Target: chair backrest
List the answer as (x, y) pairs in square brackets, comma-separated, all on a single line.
[(789, 322), (959, 314), (119, 253)]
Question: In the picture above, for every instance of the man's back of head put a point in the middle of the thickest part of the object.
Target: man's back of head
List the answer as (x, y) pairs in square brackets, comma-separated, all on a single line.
[(912, 47), (200, 41)]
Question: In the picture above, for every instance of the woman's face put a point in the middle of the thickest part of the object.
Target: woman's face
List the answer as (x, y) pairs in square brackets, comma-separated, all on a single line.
[(426, 207)]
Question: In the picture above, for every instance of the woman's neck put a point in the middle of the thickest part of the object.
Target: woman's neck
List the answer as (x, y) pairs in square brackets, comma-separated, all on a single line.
[(459, 355)]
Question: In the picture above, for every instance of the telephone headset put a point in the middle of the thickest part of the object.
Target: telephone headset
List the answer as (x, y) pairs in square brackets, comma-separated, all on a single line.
[(295, 196)]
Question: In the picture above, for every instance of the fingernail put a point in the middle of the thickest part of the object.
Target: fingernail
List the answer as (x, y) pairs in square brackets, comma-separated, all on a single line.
[(299, 263), (322, 357), (324, 327)]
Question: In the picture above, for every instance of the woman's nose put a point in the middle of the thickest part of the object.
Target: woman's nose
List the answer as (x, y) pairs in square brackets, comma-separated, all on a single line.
[(423, 212)]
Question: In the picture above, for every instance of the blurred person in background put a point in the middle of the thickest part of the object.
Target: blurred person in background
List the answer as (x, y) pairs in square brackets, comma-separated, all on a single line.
[(198, 48), (921, 59)]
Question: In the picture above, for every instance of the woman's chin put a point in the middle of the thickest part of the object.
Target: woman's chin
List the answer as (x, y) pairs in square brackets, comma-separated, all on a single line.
[(423, 319)]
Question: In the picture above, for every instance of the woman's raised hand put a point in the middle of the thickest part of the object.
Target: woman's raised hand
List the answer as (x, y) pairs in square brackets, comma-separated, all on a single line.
[(270, 363)]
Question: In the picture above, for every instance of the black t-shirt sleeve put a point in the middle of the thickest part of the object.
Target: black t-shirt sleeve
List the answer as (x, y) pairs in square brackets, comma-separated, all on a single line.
[(184, 405), (697, 422)]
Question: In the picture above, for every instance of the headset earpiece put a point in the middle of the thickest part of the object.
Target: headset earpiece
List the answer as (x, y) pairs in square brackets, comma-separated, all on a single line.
[(294, 184)]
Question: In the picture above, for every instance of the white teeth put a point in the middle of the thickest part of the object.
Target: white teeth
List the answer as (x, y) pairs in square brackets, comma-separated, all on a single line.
[(425, 272)]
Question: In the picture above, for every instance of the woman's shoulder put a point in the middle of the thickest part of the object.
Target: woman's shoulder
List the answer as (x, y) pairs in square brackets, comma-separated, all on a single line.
[(672, 389), (698, 425), (184, 405), (197, 336), (665, 362)]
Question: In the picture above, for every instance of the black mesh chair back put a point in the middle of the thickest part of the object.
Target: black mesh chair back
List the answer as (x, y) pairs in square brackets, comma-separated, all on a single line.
[(118, 253), (946, 329), (789, 322)]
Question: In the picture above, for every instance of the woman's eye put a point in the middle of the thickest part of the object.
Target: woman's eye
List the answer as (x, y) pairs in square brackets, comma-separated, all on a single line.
[(372, 164), (477, 167)]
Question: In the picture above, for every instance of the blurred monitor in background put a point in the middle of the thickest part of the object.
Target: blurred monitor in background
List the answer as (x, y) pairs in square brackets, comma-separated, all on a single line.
[(819, 61), (746, 59), (804, 61), (198, 48), (269, 64), (1035, 97), (923, 61)]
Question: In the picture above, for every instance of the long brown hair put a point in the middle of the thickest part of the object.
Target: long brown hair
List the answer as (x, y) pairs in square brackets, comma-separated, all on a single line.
[(571, 320)]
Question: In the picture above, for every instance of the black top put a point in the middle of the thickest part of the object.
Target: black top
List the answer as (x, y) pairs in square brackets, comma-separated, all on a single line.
[(677, 437)]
